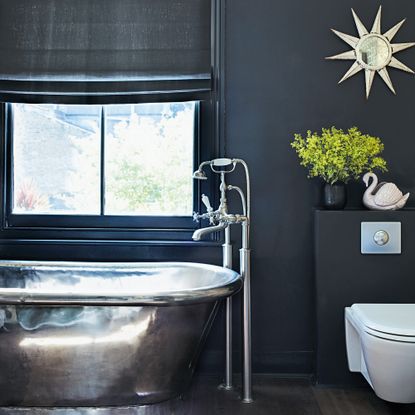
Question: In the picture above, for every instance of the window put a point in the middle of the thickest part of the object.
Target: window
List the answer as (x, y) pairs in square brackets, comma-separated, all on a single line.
[(56, 159), (101, 166), (103, 160)]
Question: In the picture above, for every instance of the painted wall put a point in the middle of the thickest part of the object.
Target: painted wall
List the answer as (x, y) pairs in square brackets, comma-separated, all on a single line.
[(278, 83)]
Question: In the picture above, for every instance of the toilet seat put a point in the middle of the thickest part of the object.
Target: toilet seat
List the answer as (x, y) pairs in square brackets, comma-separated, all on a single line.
[(395, 322)]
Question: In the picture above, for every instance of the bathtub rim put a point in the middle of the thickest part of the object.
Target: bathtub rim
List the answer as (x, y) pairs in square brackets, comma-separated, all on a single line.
[(201, 294)]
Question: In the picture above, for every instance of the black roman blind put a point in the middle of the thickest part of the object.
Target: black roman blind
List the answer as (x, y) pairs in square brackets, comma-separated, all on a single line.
[(104, 47)]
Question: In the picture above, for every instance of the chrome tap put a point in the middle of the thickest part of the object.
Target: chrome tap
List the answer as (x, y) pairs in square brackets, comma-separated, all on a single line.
[(199, 233), (220, 219)]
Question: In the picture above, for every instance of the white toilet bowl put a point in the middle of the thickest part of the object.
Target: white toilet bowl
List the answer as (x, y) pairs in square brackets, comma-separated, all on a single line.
[(380, 340)]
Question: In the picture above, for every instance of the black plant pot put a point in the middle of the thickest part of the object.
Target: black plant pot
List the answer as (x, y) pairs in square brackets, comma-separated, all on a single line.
[(334, 196)]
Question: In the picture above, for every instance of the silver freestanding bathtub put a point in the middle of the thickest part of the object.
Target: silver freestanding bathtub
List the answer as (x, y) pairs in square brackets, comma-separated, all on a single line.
[(104, 334)]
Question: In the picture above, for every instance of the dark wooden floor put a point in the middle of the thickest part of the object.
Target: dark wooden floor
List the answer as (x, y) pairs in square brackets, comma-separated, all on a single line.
[(273, 396), (276, 396)]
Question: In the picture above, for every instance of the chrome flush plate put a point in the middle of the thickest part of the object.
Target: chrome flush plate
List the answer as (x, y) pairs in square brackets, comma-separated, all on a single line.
[(380, 238)]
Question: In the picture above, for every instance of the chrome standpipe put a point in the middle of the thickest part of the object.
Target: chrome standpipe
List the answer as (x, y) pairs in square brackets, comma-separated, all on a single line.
[(221, 219), (245, 271), (227, 263), (245, 265)]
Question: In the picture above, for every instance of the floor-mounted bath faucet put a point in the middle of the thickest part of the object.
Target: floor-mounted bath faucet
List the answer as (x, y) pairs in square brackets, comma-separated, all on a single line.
[(221, 219)]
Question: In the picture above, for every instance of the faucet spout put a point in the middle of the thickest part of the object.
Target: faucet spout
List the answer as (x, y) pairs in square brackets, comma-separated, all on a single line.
[(199, 233)]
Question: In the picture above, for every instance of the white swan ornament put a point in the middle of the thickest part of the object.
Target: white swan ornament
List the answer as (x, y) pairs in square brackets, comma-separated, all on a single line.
[(382, 196)]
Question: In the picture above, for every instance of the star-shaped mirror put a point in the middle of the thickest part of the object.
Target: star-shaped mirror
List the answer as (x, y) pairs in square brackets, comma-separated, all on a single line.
[(372, 52)]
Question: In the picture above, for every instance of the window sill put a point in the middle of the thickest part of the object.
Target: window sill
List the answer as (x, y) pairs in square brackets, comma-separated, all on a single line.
[(119, 242), (111, 250)]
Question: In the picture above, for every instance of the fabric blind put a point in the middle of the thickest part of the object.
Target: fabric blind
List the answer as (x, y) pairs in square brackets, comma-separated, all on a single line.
[(104, 46)]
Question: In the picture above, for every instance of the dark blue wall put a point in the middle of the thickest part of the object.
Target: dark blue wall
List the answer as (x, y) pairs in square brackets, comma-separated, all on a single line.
[(278, 83)]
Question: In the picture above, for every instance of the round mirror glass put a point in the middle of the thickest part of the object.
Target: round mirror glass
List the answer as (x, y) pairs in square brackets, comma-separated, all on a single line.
[(374, 51)]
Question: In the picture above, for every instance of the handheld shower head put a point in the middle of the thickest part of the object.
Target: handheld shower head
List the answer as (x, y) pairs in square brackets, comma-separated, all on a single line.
[(199, 175)]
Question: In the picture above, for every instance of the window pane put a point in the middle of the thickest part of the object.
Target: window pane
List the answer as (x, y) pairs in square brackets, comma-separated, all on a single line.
[(56, 159), (149, 159)]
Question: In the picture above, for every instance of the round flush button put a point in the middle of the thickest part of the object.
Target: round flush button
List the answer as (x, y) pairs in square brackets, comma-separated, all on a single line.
[(381, 238)]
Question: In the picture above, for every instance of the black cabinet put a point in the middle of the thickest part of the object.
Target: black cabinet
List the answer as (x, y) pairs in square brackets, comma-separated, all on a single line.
[(344, 276)]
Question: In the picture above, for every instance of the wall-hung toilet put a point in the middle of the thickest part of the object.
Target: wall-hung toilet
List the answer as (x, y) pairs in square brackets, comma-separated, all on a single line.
[(380, 340)]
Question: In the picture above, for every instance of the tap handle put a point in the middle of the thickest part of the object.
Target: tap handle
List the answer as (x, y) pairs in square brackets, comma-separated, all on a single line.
[(206, 202), (197, 216)]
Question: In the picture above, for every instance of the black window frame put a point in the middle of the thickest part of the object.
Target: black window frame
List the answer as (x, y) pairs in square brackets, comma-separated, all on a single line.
[(103, 226)]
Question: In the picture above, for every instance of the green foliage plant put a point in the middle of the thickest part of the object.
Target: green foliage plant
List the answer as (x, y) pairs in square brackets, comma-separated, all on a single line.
[(339, 156)]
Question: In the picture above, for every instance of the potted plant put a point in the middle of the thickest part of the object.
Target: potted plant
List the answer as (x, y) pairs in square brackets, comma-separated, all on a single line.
[(337, 157)]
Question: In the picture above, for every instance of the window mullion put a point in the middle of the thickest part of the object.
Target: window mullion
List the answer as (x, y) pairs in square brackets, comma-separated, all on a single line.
[(102, 170)]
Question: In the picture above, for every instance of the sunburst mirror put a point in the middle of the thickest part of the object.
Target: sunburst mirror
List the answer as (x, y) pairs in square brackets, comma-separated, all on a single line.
[(372, 52)]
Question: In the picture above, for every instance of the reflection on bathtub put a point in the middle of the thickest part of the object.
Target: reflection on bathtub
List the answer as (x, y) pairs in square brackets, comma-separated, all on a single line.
[(126, 334), (33, 318), (2, 318)]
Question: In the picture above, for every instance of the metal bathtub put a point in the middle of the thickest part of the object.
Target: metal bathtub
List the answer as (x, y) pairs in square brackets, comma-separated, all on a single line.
[(104, 334)]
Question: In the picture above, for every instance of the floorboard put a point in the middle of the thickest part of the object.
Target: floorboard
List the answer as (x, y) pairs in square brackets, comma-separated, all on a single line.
[(273, 396), (334, 401)]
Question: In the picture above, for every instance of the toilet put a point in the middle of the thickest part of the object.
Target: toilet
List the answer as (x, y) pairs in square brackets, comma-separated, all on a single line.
[(380, 340)]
